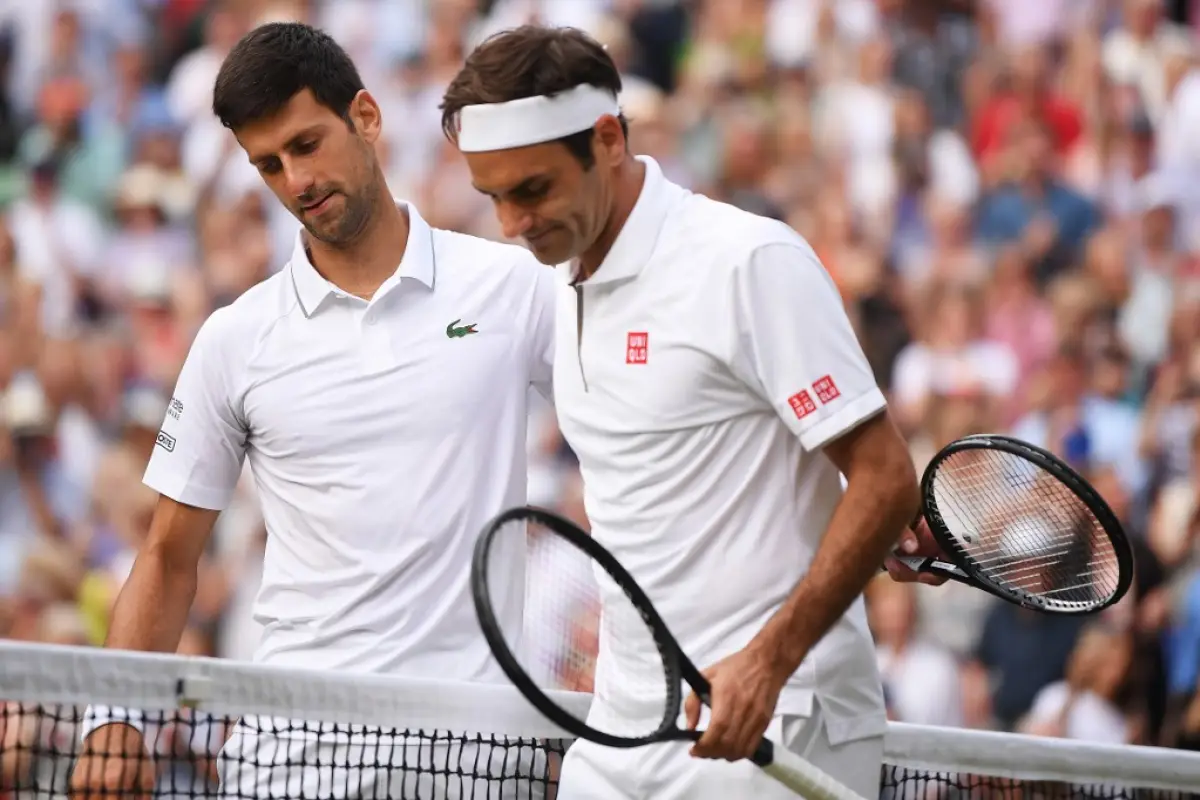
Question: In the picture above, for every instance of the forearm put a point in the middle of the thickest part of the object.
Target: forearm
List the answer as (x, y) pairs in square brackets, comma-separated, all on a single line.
[(152, 608), (869, 519)]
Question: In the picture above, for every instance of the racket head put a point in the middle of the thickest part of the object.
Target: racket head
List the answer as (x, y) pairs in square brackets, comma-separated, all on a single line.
[(1026, 526), (516, 658)]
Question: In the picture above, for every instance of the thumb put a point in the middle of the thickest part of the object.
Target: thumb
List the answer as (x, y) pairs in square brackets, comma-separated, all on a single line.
[(691, 709)]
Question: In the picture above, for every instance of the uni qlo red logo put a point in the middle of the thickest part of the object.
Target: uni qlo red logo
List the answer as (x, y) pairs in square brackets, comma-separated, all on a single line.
[(826, 390), (802, 403), (637, 348)]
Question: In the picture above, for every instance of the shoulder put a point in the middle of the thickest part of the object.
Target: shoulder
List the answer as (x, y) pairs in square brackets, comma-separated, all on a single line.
[(507, 273), (462, 258), (735, 241), (460, 254), (236, 330)]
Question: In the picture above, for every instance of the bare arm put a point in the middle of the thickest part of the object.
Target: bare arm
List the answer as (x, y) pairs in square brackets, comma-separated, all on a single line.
[(16, 746), (152, 607), (881, 499)]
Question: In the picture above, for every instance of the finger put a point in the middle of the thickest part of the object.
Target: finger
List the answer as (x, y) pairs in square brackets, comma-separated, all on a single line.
[(749, 733), (931, 579), (901, 572), (710, 742), (691, 709)]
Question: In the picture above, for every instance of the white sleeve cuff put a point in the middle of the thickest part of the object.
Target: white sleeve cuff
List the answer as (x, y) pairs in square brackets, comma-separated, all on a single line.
[(99, 716), (848, 417)]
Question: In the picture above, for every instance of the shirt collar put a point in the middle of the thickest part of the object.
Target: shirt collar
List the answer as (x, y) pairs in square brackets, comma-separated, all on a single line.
[(638, 236), (418, 264)]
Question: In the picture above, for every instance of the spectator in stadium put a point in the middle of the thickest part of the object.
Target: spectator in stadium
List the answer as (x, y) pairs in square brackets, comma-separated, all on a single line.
[(1083, 704), (1018, 653), (914, 669)]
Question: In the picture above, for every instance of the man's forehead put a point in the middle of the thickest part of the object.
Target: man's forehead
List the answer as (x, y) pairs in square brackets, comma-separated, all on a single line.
[(302, 114), (505, 170)]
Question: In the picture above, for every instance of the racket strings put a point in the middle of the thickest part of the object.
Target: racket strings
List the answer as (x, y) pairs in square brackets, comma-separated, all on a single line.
[(563, 632), (1024, 528)]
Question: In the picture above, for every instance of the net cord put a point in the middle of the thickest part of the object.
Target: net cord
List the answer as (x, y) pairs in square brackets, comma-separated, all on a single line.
[(38, 673), (1039, 758)]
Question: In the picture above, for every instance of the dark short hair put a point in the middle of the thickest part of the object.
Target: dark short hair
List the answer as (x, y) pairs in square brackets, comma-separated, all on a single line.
[(275, 62), (530, 61)]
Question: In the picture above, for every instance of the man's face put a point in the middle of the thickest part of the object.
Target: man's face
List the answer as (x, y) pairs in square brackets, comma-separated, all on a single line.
[(322, 171), (544, 196)]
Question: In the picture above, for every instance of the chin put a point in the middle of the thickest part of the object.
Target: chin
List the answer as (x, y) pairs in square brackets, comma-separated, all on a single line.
[(552, 256)]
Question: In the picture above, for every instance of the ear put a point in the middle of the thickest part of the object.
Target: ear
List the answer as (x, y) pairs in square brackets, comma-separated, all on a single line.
[(366, 116), (609, 142)]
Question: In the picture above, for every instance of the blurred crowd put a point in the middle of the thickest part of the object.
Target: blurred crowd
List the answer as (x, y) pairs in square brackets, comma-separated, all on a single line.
[(1007, 193)]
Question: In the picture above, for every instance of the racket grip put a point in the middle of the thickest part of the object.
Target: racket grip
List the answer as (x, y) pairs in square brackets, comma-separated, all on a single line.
[(799, 775)]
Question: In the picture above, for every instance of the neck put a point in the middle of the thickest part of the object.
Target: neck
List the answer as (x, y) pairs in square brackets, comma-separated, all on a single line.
[(625, 195), (362, 265)]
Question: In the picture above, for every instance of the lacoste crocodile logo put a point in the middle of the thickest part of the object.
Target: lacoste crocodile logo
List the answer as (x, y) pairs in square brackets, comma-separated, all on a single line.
[(459, 332)]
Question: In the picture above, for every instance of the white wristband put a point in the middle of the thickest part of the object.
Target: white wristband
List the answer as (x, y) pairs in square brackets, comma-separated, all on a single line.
[(99, 716)]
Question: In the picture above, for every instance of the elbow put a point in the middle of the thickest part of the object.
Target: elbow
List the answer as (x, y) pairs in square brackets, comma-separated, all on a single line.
[(896, 478)]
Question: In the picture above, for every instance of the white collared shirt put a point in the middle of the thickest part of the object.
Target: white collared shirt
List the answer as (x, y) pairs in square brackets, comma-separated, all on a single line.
[(382, 437), (716, 360)]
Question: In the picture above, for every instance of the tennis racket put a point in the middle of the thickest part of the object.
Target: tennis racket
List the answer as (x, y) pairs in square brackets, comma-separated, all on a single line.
[(551, 651), (1016, 521)]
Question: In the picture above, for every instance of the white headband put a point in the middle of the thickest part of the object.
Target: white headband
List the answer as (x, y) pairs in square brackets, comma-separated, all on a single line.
[(533, 120)]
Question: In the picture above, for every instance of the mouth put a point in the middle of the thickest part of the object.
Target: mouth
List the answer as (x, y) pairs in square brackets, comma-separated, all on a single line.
[(539, 238), (319, 206)]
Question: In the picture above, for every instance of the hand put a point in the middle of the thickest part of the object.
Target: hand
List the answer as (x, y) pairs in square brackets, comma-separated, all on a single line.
[(114, 763), (916, 541), (745, 689), (1040, 235)]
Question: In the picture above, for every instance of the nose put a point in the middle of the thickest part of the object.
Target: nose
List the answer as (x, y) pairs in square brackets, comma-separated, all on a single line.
[(299, 181), (514, 221)]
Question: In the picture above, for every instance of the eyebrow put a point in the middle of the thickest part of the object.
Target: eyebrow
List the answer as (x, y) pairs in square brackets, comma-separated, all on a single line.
[(293, 140), (520, 187)]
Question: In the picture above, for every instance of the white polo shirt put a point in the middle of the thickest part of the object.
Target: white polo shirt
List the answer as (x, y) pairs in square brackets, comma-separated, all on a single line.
[(700, 370), (382, 436)]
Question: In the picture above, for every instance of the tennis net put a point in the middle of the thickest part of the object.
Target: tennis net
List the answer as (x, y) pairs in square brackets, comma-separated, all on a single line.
[(216, 728)]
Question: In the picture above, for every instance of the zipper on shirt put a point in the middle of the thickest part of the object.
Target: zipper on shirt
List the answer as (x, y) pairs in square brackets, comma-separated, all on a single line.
[(579, 334)]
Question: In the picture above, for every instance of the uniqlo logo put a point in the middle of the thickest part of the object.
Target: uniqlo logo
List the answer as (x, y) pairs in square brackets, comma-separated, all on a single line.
[(802, 403), (826, 390), (637, 348)]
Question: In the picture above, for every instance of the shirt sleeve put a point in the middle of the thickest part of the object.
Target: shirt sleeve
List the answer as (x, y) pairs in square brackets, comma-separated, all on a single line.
[(197, 458), (796, 347), (541, 373)]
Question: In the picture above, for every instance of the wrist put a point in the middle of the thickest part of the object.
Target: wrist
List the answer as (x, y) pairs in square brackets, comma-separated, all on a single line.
[(770, 649)]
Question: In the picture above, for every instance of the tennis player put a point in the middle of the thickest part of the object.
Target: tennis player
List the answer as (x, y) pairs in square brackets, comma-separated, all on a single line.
[(712, 387), (378, 385)]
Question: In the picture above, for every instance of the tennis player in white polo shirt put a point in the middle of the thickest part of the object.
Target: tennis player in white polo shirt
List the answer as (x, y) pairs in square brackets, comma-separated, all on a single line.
[(711, 385), (378, 386)]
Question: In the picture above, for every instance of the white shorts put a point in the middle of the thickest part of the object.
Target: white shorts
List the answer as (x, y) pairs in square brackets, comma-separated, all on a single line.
[(372, 766), (666, 771)]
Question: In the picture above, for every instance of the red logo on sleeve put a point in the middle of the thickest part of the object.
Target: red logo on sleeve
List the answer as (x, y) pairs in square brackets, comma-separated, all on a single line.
[(802, 403), (637, 348), (826, 390)]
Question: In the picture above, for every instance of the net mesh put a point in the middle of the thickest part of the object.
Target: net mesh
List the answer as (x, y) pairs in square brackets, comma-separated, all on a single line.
[(225, 729)]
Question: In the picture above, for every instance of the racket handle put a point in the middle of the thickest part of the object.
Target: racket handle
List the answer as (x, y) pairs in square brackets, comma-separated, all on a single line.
[(799, 775)]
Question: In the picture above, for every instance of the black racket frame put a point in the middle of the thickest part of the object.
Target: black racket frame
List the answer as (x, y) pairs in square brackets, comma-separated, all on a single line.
[(678, 667), (1058, 469)]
